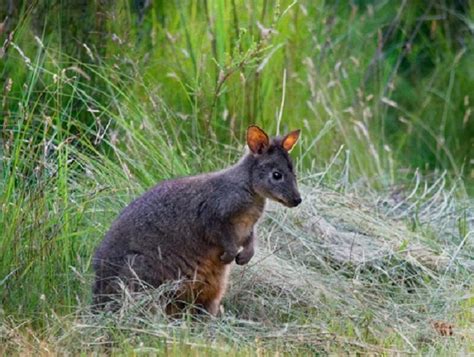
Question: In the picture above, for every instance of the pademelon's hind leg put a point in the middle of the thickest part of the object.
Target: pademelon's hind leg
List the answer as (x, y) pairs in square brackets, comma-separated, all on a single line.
[(213, 307), (213, 289), (106, 286), (134, 271)]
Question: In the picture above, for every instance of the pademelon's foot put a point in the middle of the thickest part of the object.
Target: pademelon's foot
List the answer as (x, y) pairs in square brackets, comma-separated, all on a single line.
[(244, 256), (213, 308)]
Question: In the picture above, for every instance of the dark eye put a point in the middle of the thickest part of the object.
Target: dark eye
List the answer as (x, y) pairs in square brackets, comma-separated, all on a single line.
[(276, 175)]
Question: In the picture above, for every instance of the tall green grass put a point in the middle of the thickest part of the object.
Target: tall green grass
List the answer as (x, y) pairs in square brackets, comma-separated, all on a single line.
[(381, 90), (391, 81)]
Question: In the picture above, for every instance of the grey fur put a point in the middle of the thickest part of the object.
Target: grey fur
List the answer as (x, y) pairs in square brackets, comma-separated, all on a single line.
[(194, 227)]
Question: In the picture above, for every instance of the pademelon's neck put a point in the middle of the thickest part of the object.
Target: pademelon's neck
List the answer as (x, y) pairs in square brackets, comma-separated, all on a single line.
[(241, 174), (245, 167)]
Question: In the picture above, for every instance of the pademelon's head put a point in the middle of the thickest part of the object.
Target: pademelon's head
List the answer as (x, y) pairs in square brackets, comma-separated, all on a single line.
[(272, 174)]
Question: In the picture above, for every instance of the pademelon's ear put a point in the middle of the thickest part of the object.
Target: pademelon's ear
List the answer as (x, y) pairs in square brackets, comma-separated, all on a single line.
[(290, 140), (257, 139)]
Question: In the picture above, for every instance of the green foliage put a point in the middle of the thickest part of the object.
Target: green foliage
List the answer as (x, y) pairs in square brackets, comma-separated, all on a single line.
[(391, 80)]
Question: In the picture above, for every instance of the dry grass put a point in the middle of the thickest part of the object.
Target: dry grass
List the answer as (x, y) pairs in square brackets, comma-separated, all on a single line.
[(339, 273)]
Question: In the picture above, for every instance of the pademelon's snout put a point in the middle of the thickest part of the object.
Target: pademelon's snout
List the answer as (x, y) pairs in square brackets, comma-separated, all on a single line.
[(296, 201), (291, 201), (287, 201)]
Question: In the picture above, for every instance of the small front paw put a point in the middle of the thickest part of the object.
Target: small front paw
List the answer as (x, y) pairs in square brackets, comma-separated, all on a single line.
[(227, 258), (244, 257)]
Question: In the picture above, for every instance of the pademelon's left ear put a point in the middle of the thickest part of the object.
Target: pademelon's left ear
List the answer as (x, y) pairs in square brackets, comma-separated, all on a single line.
[(290, 140)]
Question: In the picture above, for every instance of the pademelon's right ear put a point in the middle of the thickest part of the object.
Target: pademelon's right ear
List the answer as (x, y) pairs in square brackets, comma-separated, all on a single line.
[(257, 139)]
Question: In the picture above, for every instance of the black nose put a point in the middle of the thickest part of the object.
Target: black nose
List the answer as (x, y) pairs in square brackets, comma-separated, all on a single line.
[(297, 201)]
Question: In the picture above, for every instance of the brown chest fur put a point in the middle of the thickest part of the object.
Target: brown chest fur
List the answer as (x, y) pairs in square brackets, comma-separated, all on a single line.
[(244, 222)]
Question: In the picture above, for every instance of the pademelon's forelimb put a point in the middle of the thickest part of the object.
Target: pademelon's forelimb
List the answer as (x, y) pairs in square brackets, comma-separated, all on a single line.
[(224, 236), (248, 250)]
